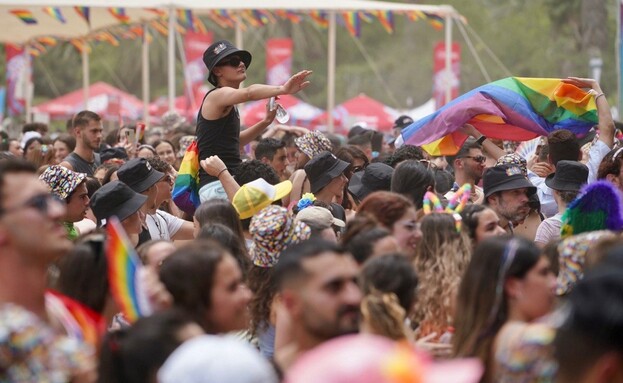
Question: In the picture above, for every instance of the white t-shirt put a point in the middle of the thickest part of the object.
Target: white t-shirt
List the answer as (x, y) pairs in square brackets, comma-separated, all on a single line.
[(549, 230), (163, 225)]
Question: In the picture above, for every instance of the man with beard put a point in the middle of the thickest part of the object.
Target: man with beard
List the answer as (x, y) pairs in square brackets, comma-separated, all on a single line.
[(507, 192), (469, 164), (318, 286), (87, 127)]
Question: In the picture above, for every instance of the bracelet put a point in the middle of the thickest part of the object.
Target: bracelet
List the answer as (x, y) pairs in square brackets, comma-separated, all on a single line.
[(599, 95), (481, 139), (219, 173)]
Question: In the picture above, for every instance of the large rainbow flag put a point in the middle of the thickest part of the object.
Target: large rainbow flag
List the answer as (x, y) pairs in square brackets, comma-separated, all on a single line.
[(123, 273), (514, 108), (186, 189)]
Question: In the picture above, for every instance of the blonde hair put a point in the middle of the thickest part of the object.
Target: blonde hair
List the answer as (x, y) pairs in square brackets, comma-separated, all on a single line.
[(384, 315), (440, 260)]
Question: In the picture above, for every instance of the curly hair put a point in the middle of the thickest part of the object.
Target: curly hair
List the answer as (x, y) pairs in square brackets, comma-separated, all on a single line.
[(261, 282), (440, 260), (386, 207)]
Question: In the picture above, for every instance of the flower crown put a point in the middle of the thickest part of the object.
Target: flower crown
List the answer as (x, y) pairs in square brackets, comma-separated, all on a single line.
[(454, 207)]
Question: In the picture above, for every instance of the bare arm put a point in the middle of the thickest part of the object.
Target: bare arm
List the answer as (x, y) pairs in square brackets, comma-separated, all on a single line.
[(216, 168), (606, 123), (186, 231), (488, 146), (248, 135)]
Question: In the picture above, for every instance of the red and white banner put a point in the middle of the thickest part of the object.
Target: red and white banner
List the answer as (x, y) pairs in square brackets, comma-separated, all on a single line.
[(278, 60), (195, 72), (17, 79), (442, 78)]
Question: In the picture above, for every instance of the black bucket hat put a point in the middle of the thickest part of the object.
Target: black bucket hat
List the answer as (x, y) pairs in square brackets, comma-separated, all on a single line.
[(139, 175), (115, 199), (375, 177), (218, 51), (569, 176), (505, 177), (323, 168)]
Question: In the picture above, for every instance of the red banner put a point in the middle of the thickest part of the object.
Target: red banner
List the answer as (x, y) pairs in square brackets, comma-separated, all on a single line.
[(442, 79), (278, 60), (17, 78), (195, 72)]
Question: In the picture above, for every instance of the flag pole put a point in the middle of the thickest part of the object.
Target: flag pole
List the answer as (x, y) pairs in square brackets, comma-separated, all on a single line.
[(331, 72), (171, 57)]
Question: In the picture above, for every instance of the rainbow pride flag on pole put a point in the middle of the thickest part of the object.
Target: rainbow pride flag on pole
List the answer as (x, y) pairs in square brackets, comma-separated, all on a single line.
[(186, 189), (123, 273), (514, 108)]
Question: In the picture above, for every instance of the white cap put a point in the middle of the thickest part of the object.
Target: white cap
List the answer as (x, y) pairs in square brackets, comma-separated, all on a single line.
[(318, 216)]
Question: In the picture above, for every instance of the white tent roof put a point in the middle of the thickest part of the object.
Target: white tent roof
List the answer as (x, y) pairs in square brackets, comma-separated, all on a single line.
[(16, 31)]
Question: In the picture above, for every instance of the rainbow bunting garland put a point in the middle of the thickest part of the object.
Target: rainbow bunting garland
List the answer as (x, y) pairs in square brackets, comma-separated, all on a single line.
[(352, 21), (435, 21), (24, 15), (85, 13), (119, 14), (55, 13), (123, 273), (386, 18), (186, 189), (320, 18), (185, 17), (514, 108)]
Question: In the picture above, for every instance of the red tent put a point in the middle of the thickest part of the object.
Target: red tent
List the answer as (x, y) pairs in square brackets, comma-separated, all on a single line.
[(104, 99), (301, 113), (364, 109), (184, 106)]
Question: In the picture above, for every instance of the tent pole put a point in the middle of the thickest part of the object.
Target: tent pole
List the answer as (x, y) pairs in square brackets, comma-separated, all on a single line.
[(145, 62), (85, 75), (448, 43), (239, 38), (171, 57), (331, 72)]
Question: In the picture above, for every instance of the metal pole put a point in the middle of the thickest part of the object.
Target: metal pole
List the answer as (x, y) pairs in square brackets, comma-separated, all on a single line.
[(171, 57), (145, 64), (331, 72), (448, 42), (85, 75), (240, 45)]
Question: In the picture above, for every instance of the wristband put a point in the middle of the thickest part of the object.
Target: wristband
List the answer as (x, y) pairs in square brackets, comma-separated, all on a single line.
[(599, 95), (219, 173), (481, 139)]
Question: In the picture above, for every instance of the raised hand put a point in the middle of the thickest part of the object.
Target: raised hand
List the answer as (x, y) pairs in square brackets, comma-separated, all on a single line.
[(297, 82)]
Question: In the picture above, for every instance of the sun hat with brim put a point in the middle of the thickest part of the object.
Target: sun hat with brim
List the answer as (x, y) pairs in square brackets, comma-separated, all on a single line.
[(115, 199), (375, 177), (139, 175), (256, 195), (505, 177), (272, 231), (218, 51), (319, 217), (569, 176), (377, 359), (322, 169), (62, 181), (313, 143)]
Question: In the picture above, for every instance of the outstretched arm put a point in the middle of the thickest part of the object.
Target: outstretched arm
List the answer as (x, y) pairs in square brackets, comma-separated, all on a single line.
[(488, 146)]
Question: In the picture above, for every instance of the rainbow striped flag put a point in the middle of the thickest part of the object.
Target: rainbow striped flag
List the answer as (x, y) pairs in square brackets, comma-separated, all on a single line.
[(123, 273), (352, 21), (85, 13), (47, 40), (320, 18), (25, 15), (186, 189), (514, 108), (185, 18), (434, 20), (386, 19), (55, 13), (119, 14), (79, 321)]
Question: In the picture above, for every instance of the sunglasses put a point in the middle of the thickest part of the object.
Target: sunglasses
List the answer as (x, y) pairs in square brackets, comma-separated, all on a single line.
[(233, 62), (41, 203), (479, 159)]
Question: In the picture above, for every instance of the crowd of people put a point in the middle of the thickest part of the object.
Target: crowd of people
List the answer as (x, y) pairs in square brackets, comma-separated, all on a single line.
[(312, 257)]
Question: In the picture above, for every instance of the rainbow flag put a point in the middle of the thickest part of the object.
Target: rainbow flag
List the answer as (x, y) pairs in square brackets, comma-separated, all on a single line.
[(186, 189), (123, 273), (514, 108), (79, 321), (185, 18), (119, 14), (320, 18), (386, 19), (47, 40), (434, 20), (289, 15), (158, 12), (85, 13), (25, 15), (55, 12), (352, 21)]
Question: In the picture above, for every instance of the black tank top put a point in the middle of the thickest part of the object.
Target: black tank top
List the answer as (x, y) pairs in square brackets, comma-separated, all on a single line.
[(221, 138)]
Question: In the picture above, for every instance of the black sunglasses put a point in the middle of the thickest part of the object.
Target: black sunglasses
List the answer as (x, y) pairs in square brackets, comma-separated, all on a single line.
[(234, 61), (479, 159), (40, 202)]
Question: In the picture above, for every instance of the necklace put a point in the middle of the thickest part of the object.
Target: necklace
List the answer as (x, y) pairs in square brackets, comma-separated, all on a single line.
[(157, 223)]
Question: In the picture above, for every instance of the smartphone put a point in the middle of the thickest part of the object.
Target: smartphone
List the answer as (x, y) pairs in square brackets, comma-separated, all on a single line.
[(272, 103)]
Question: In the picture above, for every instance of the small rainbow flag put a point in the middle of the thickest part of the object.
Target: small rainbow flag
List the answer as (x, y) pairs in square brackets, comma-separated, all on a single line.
[(186, 189), (435, 21), (24, 15), (123, 273), (85, 13), (513, 108), (55, 13), (386, 19), (185, 18), (47, 40), (320, 18), (158, 12), (80, 45), (159, 27), (119, 14), (289, 15), (368, 17), (352, 21), (79, 321), (415, 15)]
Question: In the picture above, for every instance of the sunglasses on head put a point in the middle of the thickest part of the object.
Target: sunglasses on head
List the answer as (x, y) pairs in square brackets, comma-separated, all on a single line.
[(233, 61), (479, 159)]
